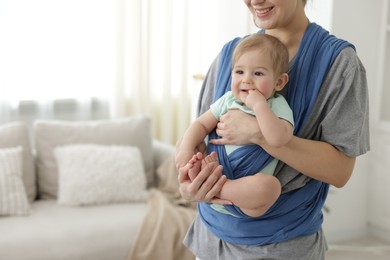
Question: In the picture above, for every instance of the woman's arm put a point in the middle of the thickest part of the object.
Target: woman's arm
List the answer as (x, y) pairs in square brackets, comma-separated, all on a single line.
[(316, 159)]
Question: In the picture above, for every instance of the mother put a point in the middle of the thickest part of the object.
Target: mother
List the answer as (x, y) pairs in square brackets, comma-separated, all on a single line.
[(328, 94)]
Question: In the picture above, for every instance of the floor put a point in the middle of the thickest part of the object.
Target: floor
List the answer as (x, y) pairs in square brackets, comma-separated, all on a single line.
[(367, 248)]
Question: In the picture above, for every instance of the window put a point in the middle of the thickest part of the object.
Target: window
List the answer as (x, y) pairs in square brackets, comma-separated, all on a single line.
[(57, 49)]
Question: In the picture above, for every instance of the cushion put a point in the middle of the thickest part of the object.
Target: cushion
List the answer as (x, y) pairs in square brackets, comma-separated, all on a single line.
[(56, 232), (13, 198), (49, 134), (96, 174), (16, 134)]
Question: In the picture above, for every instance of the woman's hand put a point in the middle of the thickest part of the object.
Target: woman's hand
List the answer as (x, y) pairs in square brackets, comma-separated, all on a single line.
[(238, 128), (207, 184)]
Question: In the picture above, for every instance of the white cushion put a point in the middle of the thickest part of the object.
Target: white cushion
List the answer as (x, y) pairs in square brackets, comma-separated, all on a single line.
[(16, 134), (96, 174), (13, 198), (131, 131)]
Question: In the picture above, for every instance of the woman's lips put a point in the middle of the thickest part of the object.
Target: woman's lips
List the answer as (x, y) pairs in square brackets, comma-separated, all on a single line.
[(262, 11)]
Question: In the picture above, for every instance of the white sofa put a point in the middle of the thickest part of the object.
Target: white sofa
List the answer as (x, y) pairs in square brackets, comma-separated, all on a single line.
[(45, 214)]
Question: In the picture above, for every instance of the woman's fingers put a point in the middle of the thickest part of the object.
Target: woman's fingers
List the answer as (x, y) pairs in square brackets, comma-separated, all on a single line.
[(213, 181), (206, 185)]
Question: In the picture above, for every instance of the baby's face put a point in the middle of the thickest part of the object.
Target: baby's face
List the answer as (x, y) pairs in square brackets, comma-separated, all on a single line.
[(253, 71)]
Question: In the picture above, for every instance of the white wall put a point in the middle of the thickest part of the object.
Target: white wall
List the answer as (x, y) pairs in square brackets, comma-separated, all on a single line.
[(320, 12), (218, 27), (215, 28), (358, 22)]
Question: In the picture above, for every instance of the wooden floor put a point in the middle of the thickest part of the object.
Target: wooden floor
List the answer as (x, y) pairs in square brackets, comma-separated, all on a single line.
[(366, 248)]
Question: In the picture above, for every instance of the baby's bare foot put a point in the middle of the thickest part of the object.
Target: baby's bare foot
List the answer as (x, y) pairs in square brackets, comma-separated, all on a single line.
[(195, 165), (211, 158)]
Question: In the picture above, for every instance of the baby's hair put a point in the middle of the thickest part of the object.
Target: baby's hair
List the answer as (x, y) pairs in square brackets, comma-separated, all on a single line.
[(269, 45)]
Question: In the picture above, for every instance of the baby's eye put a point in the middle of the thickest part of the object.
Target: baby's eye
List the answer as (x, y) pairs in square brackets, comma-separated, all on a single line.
[(258, 73), (239, 72)]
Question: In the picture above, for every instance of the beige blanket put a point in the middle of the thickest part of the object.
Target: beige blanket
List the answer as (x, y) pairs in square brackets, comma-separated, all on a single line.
[(166, 221)]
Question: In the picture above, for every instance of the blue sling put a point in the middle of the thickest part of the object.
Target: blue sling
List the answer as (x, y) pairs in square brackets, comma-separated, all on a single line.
[(298, 212)]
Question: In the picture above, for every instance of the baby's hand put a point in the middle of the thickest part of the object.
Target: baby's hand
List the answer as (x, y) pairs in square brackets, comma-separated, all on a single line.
[(254, 97)]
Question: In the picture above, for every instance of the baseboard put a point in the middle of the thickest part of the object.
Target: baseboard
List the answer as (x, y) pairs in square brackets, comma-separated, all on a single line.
[(344, 235), (379, 232)]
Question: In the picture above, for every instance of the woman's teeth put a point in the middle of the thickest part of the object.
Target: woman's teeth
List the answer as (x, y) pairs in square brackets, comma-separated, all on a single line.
[(263, 11)]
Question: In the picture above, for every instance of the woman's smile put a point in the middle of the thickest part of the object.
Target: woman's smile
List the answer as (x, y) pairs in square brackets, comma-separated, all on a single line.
[(262, 11)]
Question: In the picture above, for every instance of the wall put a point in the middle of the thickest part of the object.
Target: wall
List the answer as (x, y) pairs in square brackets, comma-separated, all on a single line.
[(379, 164), (320, 12), (216, 23), (358, 22)]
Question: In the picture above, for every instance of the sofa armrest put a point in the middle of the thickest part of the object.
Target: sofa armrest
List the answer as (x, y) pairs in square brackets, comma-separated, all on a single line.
[(161, 152)]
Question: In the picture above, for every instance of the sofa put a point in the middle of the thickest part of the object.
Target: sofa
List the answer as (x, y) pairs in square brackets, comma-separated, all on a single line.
[(75, 190)]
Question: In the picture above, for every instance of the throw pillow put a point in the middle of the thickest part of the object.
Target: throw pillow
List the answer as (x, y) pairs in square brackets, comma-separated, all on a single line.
[(16, 134), (13, 198), (95, 174), (131, 131)]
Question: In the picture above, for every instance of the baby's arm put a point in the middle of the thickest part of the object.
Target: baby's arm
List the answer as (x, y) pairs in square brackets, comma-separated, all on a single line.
[(195, 135), (254, 195), (276, 131)]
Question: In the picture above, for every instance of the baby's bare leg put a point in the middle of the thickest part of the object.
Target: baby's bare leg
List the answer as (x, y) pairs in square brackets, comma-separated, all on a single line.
[(254, 194), (270, 191)]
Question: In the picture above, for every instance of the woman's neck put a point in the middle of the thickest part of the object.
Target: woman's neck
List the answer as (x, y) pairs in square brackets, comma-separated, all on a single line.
[(291, 35)]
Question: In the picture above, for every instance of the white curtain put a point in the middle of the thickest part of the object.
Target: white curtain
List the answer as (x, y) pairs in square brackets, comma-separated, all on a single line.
[(57, 59), (162, 46), (87, 59), (157, 48)]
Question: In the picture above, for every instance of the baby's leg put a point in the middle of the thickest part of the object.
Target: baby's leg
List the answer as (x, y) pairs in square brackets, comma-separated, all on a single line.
[(270, 191)]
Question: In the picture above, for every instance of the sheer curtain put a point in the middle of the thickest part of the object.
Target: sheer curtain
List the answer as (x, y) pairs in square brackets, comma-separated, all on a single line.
[(87, 59), (164, 46), (157, 48), (57, 58)]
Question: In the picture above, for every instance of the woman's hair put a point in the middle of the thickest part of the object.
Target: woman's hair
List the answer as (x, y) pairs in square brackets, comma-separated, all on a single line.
[(268, 45)]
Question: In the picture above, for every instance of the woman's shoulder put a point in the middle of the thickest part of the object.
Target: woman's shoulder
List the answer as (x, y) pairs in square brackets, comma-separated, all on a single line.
[(348, 59), (348, 53)]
